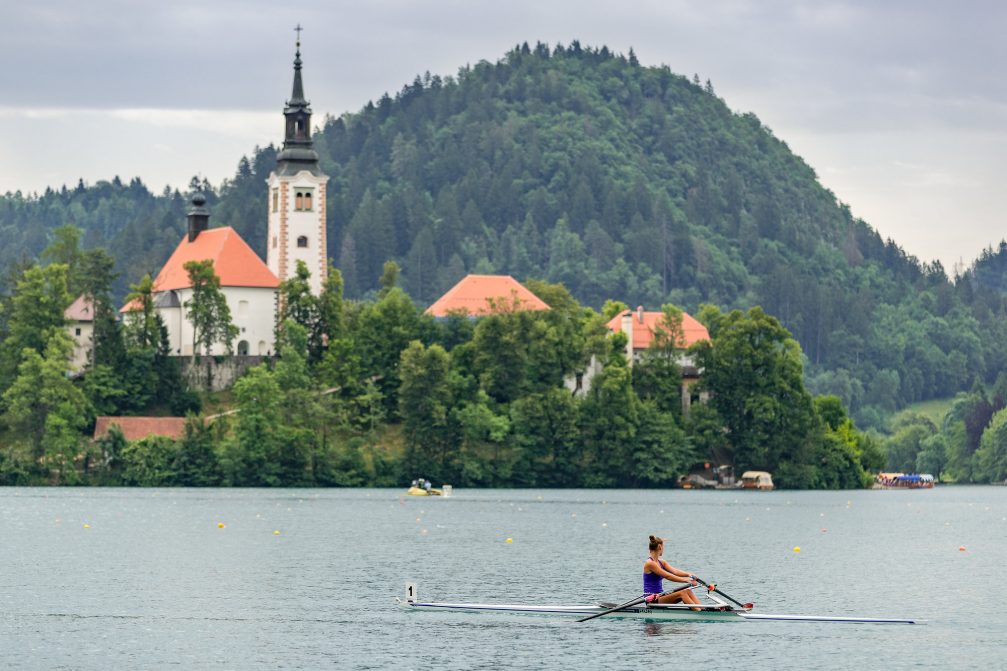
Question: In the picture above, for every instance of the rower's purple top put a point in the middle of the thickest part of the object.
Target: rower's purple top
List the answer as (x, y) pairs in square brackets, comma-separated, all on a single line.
[(652, 583)]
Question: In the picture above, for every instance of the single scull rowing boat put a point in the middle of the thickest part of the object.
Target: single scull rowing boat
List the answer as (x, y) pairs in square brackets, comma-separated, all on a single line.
[(719, 611)]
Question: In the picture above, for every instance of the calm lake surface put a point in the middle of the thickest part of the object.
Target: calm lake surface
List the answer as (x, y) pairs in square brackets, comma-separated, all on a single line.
[(131, 578)]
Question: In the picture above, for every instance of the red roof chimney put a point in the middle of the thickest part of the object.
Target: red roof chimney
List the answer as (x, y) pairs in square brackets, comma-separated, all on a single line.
[(199, 216)]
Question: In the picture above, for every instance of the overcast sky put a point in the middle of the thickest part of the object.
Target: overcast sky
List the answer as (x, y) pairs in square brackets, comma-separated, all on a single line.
[(900, 106)]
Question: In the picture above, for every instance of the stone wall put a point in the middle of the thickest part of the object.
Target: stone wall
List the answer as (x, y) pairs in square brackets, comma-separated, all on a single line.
[(223, 371)]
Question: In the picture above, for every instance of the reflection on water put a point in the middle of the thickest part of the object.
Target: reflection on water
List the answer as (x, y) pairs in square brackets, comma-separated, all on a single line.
[(669, 629)]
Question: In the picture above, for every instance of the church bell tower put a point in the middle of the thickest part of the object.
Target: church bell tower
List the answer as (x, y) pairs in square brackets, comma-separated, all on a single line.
[(297, 194)]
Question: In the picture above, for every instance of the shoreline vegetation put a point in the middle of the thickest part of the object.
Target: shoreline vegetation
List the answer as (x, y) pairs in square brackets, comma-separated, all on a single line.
[(374, 392)]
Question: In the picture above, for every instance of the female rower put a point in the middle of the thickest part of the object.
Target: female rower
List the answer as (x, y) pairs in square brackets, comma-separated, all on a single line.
[(655, 569)]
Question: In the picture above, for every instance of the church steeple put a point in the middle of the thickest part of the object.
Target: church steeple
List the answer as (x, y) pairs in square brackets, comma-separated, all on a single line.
[(297, 195), (298, 153)]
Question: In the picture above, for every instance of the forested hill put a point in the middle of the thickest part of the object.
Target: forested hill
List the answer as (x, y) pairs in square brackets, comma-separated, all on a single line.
[(622, 181)]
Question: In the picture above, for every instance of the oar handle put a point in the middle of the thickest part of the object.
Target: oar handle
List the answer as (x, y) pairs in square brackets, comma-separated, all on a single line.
[(714, 588)]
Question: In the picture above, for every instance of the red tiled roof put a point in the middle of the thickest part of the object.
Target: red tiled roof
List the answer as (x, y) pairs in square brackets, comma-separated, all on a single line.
[(472, 296), (138, 428), (131, 306), (643, 333), (233, 260), (80, 310)]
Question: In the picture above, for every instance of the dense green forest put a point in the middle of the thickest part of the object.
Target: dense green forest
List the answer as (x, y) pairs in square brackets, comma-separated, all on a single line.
[(621, 181), (471, 402)]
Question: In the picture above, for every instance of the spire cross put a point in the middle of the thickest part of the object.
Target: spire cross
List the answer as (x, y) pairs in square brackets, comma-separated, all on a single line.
[(298, 30)]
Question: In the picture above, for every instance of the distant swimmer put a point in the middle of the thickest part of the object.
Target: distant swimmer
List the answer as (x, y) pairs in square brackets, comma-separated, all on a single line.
[(655, 570)]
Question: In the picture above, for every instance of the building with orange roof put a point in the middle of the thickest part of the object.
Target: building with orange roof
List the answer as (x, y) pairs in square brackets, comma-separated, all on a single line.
[(248, 285), (80, 325), (640, 327), (138, 428), (481, 295)]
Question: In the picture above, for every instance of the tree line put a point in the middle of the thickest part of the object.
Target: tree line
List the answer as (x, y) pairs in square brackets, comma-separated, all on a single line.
[(375, 392)]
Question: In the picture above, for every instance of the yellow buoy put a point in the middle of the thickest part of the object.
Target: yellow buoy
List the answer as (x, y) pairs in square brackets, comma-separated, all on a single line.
[(797, 549), (87, 526), (220, 525), (276, 533), (510, 540)]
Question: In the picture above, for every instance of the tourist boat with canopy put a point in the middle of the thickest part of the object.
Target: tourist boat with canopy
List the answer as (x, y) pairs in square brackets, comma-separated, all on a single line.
[(904, 481)]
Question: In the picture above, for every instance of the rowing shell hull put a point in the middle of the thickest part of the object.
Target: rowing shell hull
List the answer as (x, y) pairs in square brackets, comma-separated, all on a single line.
[(649, 613), (634, 613)]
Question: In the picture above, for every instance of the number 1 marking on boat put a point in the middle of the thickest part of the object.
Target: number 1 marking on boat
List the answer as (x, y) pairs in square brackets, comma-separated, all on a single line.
[(410, 592)]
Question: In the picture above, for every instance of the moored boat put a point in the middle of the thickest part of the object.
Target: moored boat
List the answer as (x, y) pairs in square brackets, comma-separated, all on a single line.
[(760, 480), (903, 481), (419, 491)]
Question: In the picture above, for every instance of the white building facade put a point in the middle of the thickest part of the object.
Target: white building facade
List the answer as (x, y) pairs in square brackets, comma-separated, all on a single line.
[(80, 327), (252, 310)]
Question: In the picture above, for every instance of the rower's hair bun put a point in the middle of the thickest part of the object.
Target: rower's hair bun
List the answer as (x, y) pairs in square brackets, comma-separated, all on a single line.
[(655, 541)]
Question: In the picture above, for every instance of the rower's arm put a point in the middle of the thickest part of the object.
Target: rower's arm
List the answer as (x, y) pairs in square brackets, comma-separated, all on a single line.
[(680, 575), (667, 572)]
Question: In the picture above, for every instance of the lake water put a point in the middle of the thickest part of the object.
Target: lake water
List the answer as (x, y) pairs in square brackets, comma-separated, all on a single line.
[(130, 578)]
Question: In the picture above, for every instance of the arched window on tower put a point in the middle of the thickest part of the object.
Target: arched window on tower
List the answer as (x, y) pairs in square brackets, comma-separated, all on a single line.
[(302, 200), (302, 241)]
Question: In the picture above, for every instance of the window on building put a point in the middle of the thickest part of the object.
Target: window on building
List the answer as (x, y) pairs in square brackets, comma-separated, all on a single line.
[(302, 200), (302, 241), (274, 242), (276, 200), (243, 348), (77, 331)]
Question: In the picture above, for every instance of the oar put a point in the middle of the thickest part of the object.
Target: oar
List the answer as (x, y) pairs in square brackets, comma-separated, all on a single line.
[(747, 606), (633, 602)]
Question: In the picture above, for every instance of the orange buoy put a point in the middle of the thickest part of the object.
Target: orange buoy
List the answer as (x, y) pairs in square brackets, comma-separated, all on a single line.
[(961, 548)]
